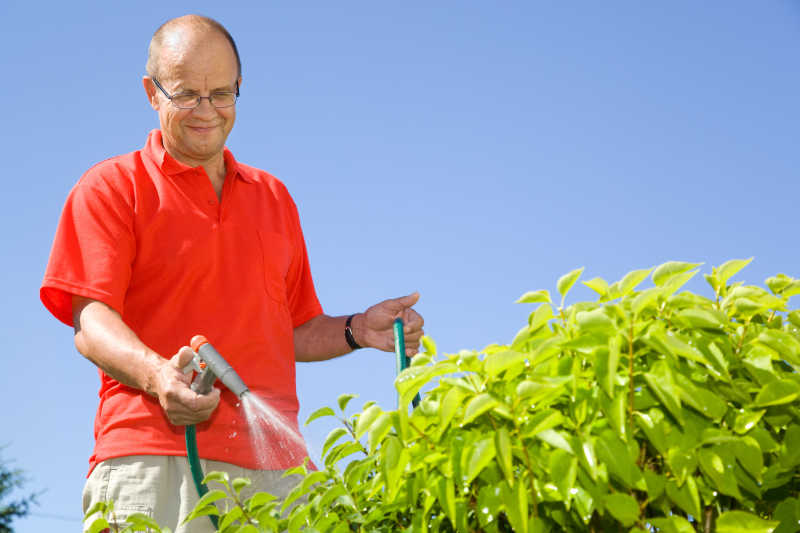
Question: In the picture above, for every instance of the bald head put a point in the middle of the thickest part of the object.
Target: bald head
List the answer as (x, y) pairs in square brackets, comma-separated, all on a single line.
[(183, 33)]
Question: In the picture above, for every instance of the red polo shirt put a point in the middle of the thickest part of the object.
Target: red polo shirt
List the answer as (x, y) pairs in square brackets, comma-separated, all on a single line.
[(147, 235)]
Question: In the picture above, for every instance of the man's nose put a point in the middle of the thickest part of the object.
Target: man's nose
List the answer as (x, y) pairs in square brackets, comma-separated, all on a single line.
[(205, 106)]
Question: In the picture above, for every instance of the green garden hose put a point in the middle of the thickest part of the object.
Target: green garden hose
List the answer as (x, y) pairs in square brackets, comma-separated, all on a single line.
[(196, 468), (400, 354)]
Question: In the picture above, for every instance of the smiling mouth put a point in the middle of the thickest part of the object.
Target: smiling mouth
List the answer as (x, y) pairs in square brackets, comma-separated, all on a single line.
[(201, 129)]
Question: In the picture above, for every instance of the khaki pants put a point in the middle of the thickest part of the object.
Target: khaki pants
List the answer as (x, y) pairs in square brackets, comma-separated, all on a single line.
[(162, 488)]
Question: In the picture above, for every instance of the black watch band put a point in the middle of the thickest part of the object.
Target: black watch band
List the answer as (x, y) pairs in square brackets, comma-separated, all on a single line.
[(348, 334)]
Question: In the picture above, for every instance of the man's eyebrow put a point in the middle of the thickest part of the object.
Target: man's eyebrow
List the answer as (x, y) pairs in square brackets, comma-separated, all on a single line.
[(180, 89)]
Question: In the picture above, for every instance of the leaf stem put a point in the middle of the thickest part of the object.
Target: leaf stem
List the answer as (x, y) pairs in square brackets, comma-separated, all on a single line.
[(631, 388)]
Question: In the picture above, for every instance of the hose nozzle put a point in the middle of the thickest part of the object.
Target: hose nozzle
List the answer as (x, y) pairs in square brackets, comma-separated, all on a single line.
[(212, 367)]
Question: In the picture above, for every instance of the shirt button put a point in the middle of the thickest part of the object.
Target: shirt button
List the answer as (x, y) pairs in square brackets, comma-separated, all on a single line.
[(211, 202)]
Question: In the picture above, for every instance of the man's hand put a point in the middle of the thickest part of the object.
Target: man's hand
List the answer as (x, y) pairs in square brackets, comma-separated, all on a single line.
[(181, 404), (374, 327)]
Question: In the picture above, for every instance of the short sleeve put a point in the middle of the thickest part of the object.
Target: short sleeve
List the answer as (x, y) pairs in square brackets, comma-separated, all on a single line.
[(94, 245), (302, 297)]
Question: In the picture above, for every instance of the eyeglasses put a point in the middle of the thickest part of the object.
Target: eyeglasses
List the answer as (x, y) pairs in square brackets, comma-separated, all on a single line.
[(191, 100)]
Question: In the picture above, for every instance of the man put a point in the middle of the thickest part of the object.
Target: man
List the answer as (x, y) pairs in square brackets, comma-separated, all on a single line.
[(179, 239)]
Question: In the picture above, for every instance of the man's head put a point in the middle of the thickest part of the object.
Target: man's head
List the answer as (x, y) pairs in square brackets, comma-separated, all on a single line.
[(195, 55)]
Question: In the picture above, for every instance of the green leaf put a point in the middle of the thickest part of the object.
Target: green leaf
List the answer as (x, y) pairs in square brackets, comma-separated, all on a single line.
[(98, 507), (555, 439), (516, 500), (366, 419), (685, 496), (777, 393), (540, 317), (498, 362), (482, 453), (614, 453), (477, 406), (429, 345), (230, 517), (623, 507), (645, 299), (703, 400), (748, 453), (792, 290), (322, 411), (670, 269), (598, 285), (333, 436), (502, 444), (447, 498), (566, 282), (344, 399), (449, 406), (532, 297), (660, 381), (702, 318), (378, 431), (746, 420), (676, 282), (631, 280), (718, 467), (542, 421), (728, 269), (783, 343), (778, 283), (595, 320), (607, 363), (744, 522), (99, 525), (563, 471), (673, 524), (239, 483)]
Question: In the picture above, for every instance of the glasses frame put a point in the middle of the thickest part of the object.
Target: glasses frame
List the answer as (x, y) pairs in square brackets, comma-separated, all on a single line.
[(199, 99)]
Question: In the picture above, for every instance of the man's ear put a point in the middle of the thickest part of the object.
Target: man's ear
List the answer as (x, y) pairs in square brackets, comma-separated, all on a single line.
[(150, 90)]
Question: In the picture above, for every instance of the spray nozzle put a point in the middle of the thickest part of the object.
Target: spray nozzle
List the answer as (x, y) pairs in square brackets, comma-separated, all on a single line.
[(211, 366)]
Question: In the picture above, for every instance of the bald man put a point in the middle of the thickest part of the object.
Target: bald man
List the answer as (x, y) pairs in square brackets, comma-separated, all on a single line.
[(178, 239)]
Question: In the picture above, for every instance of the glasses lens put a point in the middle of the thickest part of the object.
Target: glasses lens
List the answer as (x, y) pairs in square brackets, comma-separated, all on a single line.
[(223, 99), (185, 101)]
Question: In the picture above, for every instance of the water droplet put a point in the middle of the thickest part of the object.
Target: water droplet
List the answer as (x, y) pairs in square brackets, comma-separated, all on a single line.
[(232, 435), (485, 510)]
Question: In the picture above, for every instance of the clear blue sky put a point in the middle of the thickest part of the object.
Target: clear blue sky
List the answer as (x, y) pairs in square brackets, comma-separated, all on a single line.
[(468, 150)]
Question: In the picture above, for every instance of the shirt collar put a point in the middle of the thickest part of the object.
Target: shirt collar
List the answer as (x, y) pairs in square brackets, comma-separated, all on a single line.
[(154, 148)]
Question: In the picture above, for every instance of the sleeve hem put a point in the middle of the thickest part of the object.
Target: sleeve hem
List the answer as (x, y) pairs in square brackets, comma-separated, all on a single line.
[(301, 318), (56, 295)]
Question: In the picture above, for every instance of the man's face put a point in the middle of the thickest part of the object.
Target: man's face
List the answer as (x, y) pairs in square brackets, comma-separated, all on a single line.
[(201, 65)]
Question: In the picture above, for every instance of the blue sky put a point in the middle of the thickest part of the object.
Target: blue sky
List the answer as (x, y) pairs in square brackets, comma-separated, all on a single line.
[(468, 150)]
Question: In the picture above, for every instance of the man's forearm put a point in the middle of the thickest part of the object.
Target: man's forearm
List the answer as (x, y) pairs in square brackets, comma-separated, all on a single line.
[(102, 337), (322, 338)]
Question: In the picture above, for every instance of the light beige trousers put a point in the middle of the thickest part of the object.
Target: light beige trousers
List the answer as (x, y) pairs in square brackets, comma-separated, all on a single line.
[(162, 488)]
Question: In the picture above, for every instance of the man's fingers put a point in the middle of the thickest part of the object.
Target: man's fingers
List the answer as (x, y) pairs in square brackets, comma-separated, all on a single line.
[(412, 321)]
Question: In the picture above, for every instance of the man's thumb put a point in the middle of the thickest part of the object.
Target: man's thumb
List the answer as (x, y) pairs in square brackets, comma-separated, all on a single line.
[(405, 302), (182, 358)]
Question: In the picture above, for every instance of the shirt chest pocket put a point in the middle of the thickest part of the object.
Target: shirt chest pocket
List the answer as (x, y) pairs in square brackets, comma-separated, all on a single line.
[(276, 258)]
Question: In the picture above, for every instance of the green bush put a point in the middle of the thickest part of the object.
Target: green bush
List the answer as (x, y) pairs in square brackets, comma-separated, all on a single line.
[(647, 410)]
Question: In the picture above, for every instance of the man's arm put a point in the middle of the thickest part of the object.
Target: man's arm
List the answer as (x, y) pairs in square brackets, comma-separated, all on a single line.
[(103, 338), (322, 337)]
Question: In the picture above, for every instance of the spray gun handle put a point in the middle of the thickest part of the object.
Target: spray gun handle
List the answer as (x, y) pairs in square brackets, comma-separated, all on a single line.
[(204, 381)]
